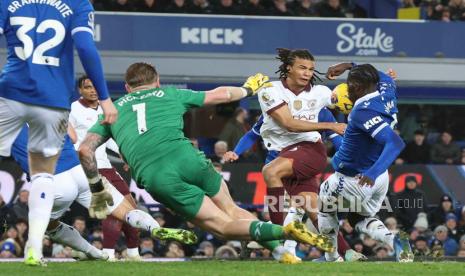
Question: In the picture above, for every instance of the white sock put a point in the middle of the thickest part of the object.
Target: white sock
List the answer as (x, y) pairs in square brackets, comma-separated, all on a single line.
[(311, 227), (278, 252), (141, 220), (133, 252), (110, 252), (69, 236), (328, 225), (41, 197), (376, 230), (292, 215)]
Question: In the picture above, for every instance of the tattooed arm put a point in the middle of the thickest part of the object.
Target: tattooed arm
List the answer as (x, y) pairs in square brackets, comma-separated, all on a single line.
[(89, 162)]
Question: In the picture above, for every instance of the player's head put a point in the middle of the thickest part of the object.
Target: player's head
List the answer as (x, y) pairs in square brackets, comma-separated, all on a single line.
[(297, 65), (87, 89), (141, 76), (362, 80)]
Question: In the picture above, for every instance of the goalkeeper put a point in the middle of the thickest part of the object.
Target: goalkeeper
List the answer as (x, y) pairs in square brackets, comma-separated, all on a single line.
[(149, 133)]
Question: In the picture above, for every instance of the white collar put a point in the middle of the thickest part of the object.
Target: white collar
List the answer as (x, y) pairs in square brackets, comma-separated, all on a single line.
[(367, 97)]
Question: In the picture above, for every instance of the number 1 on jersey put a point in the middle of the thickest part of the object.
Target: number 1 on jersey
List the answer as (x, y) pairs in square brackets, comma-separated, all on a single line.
[(141, 122)]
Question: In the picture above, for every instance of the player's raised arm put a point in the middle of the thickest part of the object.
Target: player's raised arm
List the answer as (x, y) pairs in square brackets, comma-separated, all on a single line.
[(83, 36), (226, 94)]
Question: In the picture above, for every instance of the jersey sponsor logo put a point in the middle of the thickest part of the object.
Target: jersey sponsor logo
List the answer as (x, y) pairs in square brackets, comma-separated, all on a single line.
[(311, 103), (267, 99), (366, 104), (306, 117), (297, 104), (389, 106), (372, 122), (356, 39), (214, 36)]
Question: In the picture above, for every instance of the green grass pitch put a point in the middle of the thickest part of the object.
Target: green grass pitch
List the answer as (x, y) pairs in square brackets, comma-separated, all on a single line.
[(240, 268)]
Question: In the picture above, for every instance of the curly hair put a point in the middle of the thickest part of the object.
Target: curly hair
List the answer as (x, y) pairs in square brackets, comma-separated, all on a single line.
[(288, 57)]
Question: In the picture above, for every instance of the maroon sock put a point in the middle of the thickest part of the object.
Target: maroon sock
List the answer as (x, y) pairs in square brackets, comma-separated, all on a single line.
[(342, 245), (111, 228), (132, 236), (274, 208)]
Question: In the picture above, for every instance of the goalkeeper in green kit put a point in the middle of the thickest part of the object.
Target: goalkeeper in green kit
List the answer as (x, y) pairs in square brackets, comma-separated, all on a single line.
[(149, 133)]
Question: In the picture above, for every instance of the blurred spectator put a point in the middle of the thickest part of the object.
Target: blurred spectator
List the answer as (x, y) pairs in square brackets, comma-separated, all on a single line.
[(235, 128), (330, 8), (462, 243), (226, 7), (381, 251), (202, 7), (97, 243), (445, 151), (348, 231), (461, 253), (421, 223), (61, 252), (20, 208), (146, 245), (410, 202), (160, 218), (420, 247), (226, 252), (391, 224), (302, 250), (304, 8), (220, 148), (280, 8), (7, 215), (9, 248), (121, 5), (79, 223), (194, 142), (449, 245), (457, 10), (460, 211), (21, 226), (438, 215), (462, 157), (445, 15), (417, 151), (178, 6), (253, 7), (451, 224), (147, 253), (368, 245), (47, 246), (314, 253), (206, 249), (148, 6)]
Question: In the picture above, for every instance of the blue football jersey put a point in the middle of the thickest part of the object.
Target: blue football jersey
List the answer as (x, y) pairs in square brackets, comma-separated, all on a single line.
[(68, 158), (40, 58), (359, 150)]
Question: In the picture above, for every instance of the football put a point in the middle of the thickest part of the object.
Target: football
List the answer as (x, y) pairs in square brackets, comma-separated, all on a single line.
[(342, 102)]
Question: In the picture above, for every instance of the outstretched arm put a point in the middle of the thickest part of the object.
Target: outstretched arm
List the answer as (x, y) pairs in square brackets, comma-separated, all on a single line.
[(88, 161)]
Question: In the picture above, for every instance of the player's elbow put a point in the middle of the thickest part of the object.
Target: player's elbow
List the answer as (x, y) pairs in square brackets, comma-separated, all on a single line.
[(84, 151)]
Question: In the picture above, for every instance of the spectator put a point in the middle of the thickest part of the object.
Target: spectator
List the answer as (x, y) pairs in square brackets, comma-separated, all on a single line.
[(220, 148), (417, 151), (178, 6), (202, 7), (20, 208), (21, 226), (408, 4), (461, 217), (462, 243), (47, 246), (7, 215), (160, 218), (280, 8), (457, 10), (97, 243), (253, 7), (391, 224), (9, 248), (302, 250), (226, 7), (330, 8), (381, 252), (445, 151), (410, 203), (147, 253), (462, 157), (194, 142), (146, 245), (445, 16), (79, 223), (226, 252), (461, 253), (148, 6), (421, 224), (451, 224), (314, 253), (121, 6), (235, 128), (449, 245), (206, 249), (420, 247), (438, 215), (304, 8)]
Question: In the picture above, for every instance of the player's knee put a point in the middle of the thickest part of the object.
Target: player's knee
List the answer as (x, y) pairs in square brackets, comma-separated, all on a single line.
[(270, 174)]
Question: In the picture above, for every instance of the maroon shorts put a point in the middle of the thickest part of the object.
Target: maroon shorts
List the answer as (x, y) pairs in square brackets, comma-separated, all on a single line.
[(116, 180), (309, 160)]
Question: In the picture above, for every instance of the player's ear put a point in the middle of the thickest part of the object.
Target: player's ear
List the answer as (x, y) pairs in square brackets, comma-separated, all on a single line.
[(128, 88), (157, 83)]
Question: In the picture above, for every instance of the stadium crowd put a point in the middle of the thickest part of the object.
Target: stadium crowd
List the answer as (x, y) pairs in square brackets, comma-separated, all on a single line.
[(444, 10)]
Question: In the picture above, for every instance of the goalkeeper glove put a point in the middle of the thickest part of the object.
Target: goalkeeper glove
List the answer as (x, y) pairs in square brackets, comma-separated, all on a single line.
[(256, 82), (101, 199)]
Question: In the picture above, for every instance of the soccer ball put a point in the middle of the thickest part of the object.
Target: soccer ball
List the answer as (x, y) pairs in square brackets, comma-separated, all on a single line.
[(342, 102)]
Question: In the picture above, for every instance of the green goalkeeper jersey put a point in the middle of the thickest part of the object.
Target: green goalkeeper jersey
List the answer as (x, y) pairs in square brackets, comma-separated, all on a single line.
[(150, 124)]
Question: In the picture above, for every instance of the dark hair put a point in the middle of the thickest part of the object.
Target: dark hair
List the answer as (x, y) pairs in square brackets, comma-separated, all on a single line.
[(287, 58), (81, 80), (364, 76), (140, 73)]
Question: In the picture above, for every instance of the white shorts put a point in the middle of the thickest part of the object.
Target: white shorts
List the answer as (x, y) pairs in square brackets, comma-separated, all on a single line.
[(47, 127), (364, 200), (72, 185)]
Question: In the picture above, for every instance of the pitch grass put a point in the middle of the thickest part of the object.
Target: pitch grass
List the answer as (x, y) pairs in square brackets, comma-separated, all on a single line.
[(237, 268)]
